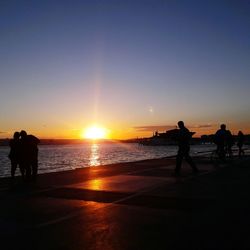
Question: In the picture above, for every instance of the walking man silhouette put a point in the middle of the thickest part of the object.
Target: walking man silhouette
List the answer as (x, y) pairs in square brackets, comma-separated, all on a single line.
[(183, 139)]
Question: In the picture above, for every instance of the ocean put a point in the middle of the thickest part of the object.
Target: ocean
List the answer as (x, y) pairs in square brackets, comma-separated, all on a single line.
[(54, 158)]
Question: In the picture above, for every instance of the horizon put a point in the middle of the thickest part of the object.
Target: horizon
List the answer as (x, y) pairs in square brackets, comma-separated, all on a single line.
[(117, 139), (129, 68), (140, 134)]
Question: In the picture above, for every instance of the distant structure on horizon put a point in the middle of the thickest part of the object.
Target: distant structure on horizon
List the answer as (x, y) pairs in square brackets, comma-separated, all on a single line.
[(165, 138), (169, 138)]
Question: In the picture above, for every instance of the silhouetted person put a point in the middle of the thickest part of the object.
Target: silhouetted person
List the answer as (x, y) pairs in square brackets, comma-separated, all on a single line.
[(240, 143), (33, 153), (29, 154), (24, 155), (183, 138), (14, 154), (229, 143), (220, 140)]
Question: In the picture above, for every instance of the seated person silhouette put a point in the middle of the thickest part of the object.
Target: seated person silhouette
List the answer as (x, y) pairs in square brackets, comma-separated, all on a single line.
[(220, 140), (240, 143)]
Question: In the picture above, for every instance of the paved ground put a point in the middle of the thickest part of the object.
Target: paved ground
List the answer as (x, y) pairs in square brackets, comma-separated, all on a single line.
[(136, 205)]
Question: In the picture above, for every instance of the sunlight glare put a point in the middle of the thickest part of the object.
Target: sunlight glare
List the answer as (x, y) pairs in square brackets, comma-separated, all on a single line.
[(94, 133)]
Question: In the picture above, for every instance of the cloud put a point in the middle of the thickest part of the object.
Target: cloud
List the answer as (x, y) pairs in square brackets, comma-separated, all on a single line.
[(154, 128), (163, 128), (202, 126)]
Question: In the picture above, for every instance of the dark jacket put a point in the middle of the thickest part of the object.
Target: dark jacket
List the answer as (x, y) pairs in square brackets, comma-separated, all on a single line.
[(14, 154)]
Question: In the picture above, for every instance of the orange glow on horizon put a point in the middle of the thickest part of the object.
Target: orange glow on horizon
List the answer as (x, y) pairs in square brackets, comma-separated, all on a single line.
[(114, 131)]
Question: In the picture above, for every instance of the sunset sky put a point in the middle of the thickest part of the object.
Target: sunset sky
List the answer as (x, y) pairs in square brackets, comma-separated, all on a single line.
[(131, 67)]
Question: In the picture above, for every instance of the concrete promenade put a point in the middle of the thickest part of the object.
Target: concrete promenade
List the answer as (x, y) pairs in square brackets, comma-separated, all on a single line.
[(132, 206)]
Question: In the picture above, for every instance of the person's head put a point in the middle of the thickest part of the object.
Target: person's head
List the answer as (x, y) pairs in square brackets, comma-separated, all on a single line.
[(240, 133), (181, 124), (23, 134), (16, 135), (223, 126)]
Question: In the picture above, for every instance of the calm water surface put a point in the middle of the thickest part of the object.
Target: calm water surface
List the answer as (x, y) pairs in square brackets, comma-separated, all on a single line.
[(54, 158)]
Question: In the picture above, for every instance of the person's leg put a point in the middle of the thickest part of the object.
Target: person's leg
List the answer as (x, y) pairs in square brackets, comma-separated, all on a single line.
[(241, 151), (191, 163), (179, 159), (28, 171), (13, 168), (22, 170), (221, 152), (189, 160), (230, 152), (34, 167)]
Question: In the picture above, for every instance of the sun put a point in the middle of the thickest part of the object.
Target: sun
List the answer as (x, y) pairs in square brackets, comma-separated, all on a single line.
[(94, 133)]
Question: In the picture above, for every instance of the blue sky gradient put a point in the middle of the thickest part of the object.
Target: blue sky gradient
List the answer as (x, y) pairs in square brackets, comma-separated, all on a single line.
[(123, 64)]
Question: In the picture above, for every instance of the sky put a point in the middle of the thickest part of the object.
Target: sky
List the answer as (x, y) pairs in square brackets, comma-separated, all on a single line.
[(132, 67)]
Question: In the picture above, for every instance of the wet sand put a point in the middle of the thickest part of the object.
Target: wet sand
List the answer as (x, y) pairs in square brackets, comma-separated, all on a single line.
[(137, 205)]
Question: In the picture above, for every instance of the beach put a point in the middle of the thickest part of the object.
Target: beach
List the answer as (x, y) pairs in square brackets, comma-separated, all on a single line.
[(134, 205)]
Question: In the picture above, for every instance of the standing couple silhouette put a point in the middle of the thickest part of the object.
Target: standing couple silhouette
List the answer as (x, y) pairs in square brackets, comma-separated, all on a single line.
[(24, 153)]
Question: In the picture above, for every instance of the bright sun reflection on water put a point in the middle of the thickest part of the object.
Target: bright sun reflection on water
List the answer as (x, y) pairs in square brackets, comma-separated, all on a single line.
[(96, 184), (94, 156)]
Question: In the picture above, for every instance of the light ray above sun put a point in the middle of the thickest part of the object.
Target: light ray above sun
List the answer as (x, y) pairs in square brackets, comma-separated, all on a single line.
[(94, 133)]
